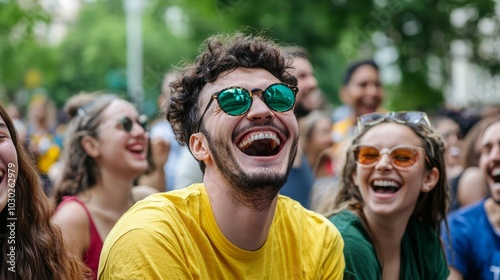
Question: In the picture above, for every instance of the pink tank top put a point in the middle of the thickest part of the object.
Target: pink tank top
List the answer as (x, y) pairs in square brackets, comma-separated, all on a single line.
[(91, 257)]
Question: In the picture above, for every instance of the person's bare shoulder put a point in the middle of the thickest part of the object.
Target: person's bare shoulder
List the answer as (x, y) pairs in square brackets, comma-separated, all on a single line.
[(72, 218), (71, 214), (471, 186)]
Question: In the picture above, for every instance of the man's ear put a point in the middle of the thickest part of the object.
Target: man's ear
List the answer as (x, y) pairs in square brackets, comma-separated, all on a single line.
[(430, 180), (197, 145), (91, 146)]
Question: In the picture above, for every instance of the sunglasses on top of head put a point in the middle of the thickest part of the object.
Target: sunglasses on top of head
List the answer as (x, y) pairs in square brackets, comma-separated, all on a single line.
[(236, 101), (127, 123), (400, 156), (403, 117)]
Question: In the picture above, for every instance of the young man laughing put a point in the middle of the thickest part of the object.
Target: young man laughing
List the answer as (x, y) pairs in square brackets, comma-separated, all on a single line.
[(233, 107)]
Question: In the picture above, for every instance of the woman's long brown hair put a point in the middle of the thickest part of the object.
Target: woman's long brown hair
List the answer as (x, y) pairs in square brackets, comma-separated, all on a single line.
[(40, 252)]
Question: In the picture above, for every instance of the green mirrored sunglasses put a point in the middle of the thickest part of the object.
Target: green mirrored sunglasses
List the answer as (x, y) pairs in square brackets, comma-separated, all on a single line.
[(235, 101)]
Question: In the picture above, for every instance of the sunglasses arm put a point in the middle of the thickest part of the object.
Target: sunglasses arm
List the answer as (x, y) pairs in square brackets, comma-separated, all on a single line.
[(205, 111)]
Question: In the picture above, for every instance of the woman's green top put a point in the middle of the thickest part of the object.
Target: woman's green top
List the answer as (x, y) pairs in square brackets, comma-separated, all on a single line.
[(422, 256)]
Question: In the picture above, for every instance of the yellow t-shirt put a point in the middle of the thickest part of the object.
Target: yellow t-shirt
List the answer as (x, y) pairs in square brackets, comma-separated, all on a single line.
[(343, 129), (174, 235)]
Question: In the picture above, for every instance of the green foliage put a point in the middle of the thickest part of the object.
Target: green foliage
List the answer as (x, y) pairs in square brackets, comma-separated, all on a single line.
[(20, 51), (93, 54), (93, 49)]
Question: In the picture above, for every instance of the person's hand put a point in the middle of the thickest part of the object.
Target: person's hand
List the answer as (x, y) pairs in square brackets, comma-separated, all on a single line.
[(159, 151)]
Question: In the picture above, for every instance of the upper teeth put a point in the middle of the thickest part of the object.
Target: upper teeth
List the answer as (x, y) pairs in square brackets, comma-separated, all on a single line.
[(385, 183), (495, 172), (259, 136)]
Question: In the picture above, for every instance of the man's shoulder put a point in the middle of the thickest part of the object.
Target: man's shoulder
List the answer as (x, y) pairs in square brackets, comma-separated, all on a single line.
[(467, 220), (293, 218), (292, 209), (164, 206), (309, 235), (287, 205), (470, 212)]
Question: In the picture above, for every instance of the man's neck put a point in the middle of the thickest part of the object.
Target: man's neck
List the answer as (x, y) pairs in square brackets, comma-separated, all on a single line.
[(244, 226)]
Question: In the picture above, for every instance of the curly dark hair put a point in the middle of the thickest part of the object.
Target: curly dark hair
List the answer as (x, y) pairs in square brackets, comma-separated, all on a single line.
[(40, 249), (223, 53)]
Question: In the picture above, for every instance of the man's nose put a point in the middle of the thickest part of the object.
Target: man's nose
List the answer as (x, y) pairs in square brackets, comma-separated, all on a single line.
[(259, 111)]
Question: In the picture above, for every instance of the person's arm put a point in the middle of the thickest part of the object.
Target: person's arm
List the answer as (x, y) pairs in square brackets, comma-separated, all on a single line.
[(156, 177)]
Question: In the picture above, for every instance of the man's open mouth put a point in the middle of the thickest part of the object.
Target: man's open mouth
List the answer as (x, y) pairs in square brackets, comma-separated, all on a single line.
[(495, 174), (260, 144)]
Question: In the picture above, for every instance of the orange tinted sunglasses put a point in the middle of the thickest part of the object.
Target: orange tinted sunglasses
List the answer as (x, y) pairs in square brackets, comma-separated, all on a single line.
[(400, 156)]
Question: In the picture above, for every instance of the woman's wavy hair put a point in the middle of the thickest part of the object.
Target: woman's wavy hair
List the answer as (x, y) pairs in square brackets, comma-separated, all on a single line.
[(80, 171), (431, 206), (223, 54), (39, 247)]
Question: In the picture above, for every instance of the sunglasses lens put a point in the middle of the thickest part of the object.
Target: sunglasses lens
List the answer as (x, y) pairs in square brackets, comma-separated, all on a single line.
[(143, 121), (366, 154), (234, 101), (409, 117), (404, 157), (279, 97), (126, 123), (370, 118)]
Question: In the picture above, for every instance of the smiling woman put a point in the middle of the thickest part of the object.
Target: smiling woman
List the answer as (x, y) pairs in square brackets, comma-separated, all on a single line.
[(392, 199), (105, 150), (31, 247)]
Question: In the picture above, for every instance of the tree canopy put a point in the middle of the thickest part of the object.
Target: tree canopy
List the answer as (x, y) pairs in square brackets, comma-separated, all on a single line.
[(412, 38)]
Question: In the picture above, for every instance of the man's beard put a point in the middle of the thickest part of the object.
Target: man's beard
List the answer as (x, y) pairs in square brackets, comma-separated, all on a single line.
[(256, 190), (300, 111)]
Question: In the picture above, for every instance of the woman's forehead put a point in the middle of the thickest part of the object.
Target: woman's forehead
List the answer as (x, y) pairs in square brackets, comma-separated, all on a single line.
[(119, 107), (390, 134)]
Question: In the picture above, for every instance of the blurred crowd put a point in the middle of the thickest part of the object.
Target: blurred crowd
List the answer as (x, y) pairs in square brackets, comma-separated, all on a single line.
[(92, 179)]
